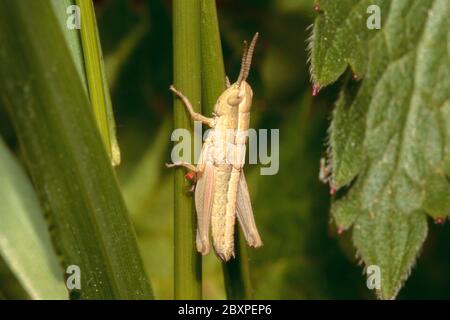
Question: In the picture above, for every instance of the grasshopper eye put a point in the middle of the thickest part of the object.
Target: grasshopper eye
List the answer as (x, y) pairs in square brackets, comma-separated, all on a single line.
[(234, 100)]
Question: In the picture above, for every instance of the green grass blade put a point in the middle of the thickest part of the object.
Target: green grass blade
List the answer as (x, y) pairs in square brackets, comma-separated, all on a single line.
[(72, 37), (213, 70), (96, 79), (236, 271), (25, 246), (116, 60), (65, 154), (186, 47), (145, 178)]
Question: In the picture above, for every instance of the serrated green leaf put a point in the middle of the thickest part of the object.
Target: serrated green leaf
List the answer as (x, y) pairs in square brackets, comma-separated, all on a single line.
[(25, 243), (437, 195), (406, 234), (340, 37), (390, 134)]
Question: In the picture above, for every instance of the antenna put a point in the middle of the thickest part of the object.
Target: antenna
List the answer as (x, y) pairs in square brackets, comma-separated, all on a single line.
[(244, 56), (247, 59)]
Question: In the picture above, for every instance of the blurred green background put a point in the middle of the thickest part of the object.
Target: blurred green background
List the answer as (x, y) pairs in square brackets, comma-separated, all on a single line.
[(302, 256)]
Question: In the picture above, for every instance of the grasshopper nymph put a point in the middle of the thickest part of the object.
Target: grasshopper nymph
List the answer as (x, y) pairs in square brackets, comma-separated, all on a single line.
[(221, 190)]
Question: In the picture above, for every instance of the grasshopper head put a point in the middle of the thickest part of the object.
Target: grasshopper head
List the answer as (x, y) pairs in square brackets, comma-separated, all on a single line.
[(236, 96), (239, 94)]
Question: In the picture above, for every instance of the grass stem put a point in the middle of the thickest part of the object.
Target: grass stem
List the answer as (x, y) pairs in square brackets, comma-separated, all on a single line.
[(236, 272), (187, 79)]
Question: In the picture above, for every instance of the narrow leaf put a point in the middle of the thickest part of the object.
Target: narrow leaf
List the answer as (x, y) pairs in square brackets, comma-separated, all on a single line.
[(63, 8), (145, 177), (96, 80), (25, 243), (115, 61), (63, 149)]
